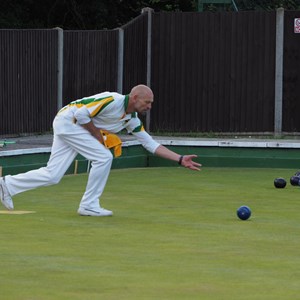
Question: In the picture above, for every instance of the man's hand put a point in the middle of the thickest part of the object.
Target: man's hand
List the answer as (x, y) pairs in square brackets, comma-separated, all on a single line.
[(111, 140), (94, 131), (187, 162), (184, 160)]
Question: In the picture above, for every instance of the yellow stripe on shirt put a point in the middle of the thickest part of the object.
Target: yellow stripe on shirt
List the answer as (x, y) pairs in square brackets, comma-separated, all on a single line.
[(99, 105)]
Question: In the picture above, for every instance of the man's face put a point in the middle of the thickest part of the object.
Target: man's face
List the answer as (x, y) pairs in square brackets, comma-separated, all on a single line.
[(143, 105)]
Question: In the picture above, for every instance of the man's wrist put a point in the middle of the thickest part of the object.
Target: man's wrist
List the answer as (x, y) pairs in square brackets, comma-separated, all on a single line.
[(180, 160)]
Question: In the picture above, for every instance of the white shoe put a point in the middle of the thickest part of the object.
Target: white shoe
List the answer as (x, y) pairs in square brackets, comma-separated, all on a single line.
[(101, 212), (5, 196)]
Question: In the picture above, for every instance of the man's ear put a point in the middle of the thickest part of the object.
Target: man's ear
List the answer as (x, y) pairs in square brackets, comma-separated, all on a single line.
[(135, 98)]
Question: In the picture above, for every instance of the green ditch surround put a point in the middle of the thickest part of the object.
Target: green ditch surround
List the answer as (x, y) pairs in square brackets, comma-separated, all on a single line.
[(237, 157), (137, 156)]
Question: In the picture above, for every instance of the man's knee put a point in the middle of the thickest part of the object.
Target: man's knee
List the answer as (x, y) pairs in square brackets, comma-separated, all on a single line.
[(54, 179), (108, 157), (103, 159)]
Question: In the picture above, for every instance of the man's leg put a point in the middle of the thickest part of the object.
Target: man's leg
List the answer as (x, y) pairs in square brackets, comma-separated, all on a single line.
[(71, 140), (101, 160), (61, 157)]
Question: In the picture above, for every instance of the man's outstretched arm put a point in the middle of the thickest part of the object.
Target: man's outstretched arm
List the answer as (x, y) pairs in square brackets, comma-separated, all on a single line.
[(184, 160)]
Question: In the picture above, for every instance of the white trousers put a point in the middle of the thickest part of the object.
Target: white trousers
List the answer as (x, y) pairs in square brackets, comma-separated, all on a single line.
[(69, 140)]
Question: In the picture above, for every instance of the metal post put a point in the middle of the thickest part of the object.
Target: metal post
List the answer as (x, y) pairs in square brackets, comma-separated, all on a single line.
[(234, 5), (279, 72), (200, 5), (148, 75), (120, 60), (60, 57)]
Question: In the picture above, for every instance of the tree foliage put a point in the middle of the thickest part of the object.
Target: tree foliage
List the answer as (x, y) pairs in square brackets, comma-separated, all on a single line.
[(109, 14), (269, 5)]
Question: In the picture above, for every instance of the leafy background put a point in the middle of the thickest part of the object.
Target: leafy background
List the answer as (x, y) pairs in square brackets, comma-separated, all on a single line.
[(108, 14)]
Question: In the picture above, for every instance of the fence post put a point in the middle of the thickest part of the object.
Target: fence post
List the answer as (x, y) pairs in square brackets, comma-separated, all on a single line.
[(149, 11), (60, 58), (279, 72), (120, 60)]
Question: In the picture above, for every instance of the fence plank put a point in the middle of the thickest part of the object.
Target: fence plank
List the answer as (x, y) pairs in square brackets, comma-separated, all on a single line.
[(291, 77), (90, 63), (212, 72), (28, 80)]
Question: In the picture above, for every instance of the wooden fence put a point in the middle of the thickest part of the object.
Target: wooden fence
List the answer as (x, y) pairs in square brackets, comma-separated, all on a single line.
[(210, 72)]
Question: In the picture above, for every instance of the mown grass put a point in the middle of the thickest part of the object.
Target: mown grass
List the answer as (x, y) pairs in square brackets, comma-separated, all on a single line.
[(174, 235)]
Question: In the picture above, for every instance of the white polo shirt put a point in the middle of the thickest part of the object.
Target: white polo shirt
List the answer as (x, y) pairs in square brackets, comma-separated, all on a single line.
[(108, 111)]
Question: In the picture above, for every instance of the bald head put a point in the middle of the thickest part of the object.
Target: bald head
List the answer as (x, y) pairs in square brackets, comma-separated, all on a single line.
[(141, 90), (140, 99)]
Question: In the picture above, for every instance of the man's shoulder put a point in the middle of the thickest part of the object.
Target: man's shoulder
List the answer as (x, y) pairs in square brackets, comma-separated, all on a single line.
[(106, 94)]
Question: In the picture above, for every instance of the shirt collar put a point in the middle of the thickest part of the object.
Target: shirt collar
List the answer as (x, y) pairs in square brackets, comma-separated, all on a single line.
[(133, 114), (126, 100)]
